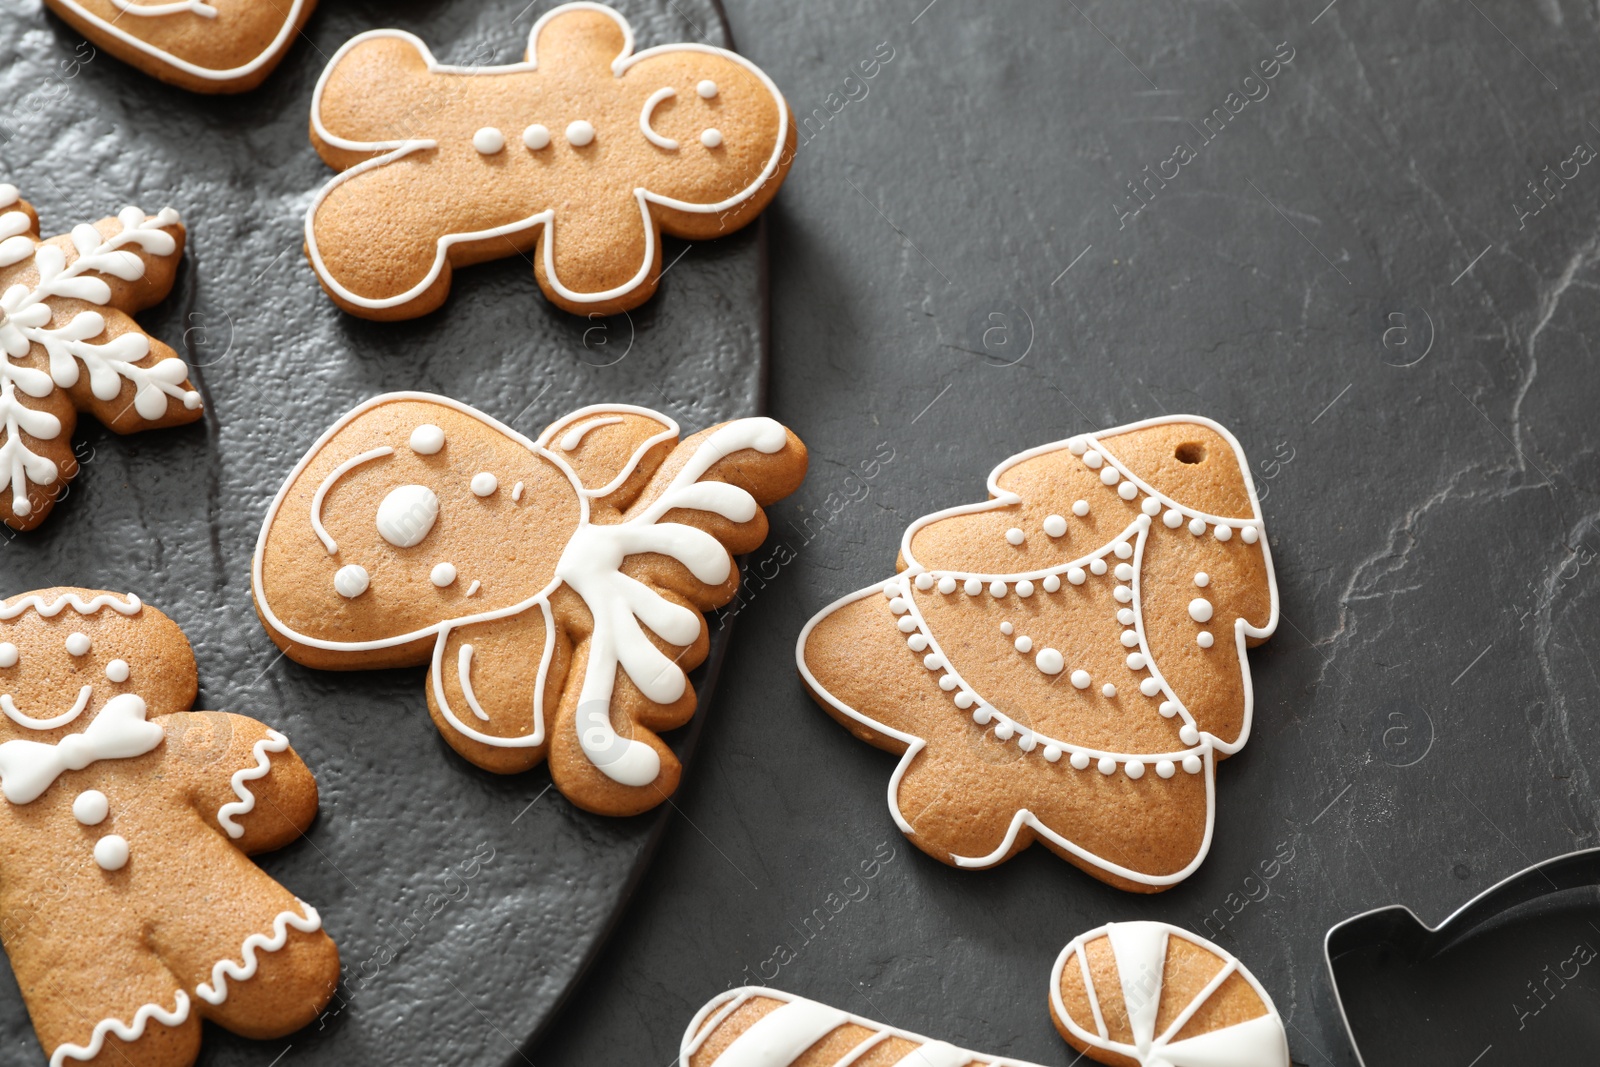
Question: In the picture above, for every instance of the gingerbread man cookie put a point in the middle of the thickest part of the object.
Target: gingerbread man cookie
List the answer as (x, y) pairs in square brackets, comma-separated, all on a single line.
[(1066, 661), (68, 343), (129, 906), (1146, 994), (581, 156), (206, 46), (555, 587)]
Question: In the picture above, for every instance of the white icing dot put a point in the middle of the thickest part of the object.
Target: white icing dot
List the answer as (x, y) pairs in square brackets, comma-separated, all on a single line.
[(711, 138), (924, 582), (1149, 687), (1024, 588), (351, 581), (932, 661), (1192, 764), (1107, 765), (1125, 616), (91, 807), (973, 587), (1014, 536), (1189, 735), (1109, 476), (947, 682), (1151, 506), (111, 852), (1055, 525), (1224, 533), (484, 483), (1080, 760), (905, 624), (1080, 679), (1007, 629), (917, 642), (899, 606), (8, 654), (1077, 446), (1173, 518), (488, 140), (1123, 550), (1076, 576), (1249, 535), (1129, 638), (1108, 690), (442, 574), (1134, 769), (1052, 582), (1049, 661), (947, 585), (1027, 742), (1092, 460), (117, 670), (78, 643), (1098, 566), (1052, 754), (536, 137), (965, 700), (1123, 594), (1080, 508), (1023, 643), (1165, 768), (1202, 579), (1124, 572), (407, 515), (1127, 490), (997, 588), (22, 507), (1136, 661), (707, 89), (1169, 708), (579, 133), (1004, 731), (427, 439), (191, 400), (1200, 609), (1197, 526), (1204, 639)]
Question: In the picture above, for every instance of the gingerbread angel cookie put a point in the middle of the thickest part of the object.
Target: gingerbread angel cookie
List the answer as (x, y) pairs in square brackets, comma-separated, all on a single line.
[(1066, 661), (206, 46), (129, 906), (1146, 994), (555, 587), (68, 344), (581, 156)]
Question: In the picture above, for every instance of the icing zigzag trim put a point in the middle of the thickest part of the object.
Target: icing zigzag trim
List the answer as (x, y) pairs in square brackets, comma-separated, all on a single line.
[(273, 742), (124, 1032), (105, 600), (216, 991)]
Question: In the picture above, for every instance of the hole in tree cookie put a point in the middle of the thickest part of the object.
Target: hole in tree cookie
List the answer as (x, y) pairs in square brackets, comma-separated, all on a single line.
[(1190, 452)]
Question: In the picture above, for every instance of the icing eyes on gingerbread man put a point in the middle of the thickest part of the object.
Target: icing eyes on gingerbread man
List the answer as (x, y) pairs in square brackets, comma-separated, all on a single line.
[(128, 905), (1072, 652), (556, 587), (581, 156)]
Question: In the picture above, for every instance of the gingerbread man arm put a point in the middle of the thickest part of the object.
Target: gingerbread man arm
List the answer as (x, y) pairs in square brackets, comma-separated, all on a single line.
[(242, 777)]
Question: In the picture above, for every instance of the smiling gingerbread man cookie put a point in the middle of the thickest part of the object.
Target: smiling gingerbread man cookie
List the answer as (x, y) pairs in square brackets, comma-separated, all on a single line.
[(581, 156), (1066, 661), (129, 906)]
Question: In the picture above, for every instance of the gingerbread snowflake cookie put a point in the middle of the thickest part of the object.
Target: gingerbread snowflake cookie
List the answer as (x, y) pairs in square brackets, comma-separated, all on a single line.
[(1066, 661), (207, 46), (1146, 994), (129, 906), (580, 157), (555, 587), (68, 344)]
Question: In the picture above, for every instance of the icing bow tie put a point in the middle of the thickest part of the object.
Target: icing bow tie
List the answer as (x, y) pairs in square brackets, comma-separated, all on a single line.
[(28, 768)]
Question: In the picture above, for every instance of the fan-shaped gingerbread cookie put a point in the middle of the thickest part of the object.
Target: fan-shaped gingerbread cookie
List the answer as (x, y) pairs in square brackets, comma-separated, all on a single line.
[(1064, 662), (1146, 994)]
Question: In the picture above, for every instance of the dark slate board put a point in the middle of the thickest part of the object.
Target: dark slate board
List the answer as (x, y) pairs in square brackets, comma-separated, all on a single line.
[(173, 515), (1431, 515)]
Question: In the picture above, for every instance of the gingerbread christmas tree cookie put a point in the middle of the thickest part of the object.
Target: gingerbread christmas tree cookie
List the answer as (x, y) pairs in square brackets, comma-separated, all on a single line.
[(1066, 661), (129, 906)]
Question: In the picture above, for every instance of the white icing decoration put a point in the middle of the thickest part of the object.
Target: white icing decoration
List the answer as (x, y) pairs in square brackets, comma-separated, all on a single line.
[(26, 315), (1055, 525), (1204, 639), (176, 7), (573, 437), (536, 137), (10, 708), (1140, 950), (474, 587), (580, 133), (1197, 526), (1202, 579), (484, 484), (1023, 644), (351, 581), (1080, 679), (117, 670), (1200, 609), (1127, 490), (1015, 536), (1108, 690), (464, 677), (644, 123), (1049, 661), (407, 515), (711, 138), (442, 574), (272, 743), (274, 48), (401, 147), (1151, 506), (91, 807), (78, 643), (28, 768), (427, 439), (130, 606), (123, 1031), (516, 492), (216, 991), (328, 483), (489, 141), (1080, 508), (8, 654), (1224, 533), (111, 852), (707, 89)]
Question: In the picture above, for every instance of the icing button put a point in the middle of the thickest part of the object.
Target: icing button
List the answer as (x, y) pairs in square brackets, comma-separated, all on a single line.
[(427, 439), (1204, 639), (1080, 760), (707, 89), (1014, 536), (1055, 525), (442, 574), (1173, 518), (1049, 661), (1080, 679), (91, 807), (489, 141), (111, 852), (117, 670), (8, 655), (1080, 508), (484, 483), (351, 581), (580, 133), (536, 137), (711, 138), (1200, 609), (78, 643)]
